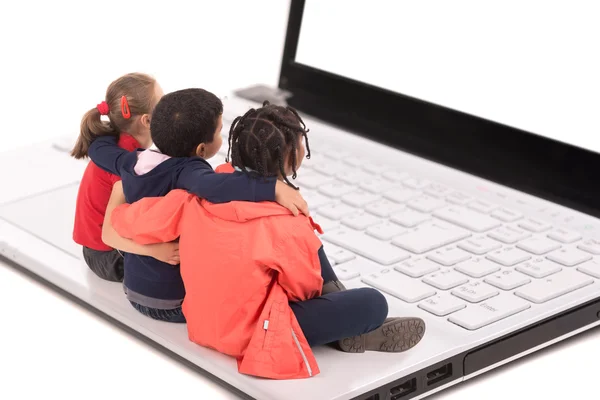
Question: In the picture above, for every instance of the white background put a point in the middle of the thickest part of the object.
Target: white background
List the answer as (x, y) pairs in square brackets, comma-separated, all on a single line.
[(529, 64), (56, 60)]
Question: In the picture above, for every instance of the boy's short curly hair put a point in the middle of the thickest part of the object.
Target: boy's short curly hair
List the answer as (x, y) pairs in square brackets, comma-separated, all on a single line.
[(183, 119)]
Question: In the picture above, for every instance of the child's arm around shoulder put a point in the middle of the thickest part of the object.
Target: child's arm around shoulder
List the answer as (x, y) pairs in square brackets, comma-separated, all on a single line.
[(106, 154), (152, 219), (166, 252), (199, 178)]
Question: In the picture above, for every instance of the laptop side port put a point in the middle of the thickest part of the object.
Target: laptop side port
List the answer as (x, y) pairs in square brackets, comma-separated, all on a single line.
[(373, 397), (439, 374), (404, 389)]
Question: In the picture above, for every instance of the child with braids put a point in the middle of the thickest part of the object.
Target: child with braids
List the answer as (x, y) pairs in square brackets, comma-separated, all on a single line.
[(259, 286)]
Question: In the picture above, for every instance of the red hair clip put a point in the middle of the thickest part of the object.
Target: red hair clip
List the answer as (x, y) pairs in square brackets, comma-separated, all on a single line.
[(125, 108), (103, 108)]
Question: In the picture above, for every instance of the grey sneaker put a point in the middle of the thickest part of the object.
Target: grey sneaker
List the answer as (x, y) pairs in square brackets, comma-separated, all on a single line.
[(394, 336)]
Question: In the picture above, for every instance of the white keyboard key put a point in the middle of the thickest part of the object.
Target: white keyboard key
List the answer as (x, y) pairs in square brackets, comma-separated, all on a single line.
[(384, 208), (475, 292), (395, 176), (591, 246), (312, 180), (539, 268), (329, 167), (337, 211), (366, 246), (417, 267), (341, 256), (477, 267), (479, 245), (507, 279), (336, 189), (416, 183), (426, 204), (346, 271), (467, 219), (409, 218), (592, 268), (534, 225), (315, 200), (509, 234), (337, 254), (564, 236), (359, 198), (325, 223), (337, 153), (482, 206), (360, 221), (398, 285), (400, 195), (543, 290), (458, 198), (353, 176), (385, 231), (445, 279), (331, 261), (449, 256), (569, 256), (437, 190), (538, 245), (375, 167), (506, 215), (493, 310), (330, 248), (442, 304), (377, 185), (429, 237), (356, 161), (509, 256)]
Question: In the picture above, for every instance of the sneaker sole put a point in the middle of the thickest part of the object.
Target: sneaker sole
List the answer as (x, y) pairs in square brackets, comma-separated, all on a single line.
[(396, 335)]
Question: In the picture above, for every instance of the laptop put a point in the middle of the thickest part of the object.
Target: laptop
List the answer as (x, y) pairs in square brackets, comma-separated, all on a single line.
[(486, 228)]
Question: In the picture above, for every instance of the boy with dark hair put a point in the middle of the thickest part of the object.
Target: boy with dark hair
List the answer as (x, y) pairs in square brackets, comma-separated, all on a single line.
[(185, 129)]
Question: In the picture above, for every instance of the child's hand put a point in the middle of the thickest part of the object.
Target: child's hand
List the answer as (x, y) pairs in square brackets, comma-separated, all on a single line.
[(166, 252), (291, 199)]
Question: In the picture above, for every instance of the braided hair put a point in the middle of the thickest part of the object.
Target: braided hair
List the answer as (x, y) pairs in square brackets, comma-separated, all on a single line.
[(261, 140)]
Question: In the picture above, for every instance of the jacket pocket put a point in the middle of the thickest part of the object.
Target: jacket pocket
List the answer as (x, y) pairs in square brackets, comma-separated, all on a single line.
[(271, 325)]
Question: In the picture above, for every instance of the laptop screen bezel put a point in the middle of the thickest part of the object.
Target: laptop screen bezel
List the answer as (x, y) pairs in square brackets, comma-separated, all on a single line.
[(531, 163)]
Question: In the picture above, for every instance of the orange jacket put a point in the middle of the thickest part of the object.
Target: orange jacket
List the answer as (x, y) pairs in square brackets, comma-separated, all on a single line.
[(241, 264)]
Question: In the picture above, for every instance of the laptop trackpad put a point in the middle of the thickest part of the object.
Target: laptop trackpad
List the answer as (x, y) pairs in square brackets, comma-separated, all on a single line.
[(48, 216)]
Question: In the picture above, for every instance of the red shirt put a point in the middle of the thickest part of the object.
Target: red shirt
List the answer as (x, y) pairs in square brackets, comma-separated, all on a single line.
[(94, 192)]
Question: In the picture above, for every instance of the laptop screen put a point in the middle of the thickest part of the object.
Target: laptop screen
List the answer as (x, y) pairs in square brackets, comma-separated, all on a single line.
[(510, 62)]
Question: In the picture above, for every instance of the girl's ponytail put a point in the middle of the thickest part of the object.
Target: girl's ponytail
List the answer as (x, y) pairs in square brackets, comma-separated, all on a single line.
[(91, 128), (136, 91)]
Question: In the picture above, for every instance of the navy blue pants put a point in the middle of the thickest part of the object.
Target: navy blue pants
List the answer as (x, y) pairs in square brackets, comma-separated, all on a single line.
[(339, 315)]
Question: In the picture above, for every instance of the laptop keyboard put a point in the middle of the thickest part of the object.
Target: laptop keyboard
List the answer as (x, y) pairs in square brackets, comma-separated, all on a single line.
[(460, 258), (457, 257)]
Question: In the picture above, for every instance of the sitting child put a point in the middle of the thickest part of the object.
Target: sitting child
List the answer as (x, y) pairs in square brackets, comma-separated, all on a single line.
[(259, 285), (186, 130), (127, 106)]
